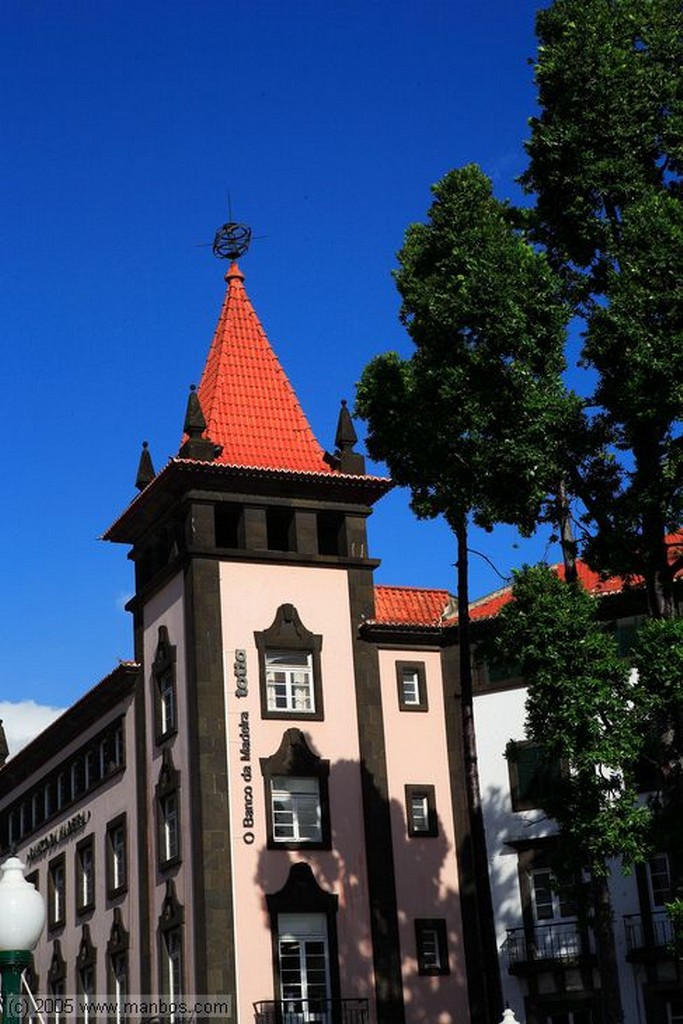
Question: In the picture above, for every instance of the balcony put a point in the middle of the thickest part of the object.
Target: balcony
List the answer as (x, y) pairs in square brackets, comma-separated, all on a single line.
[(648, 938), (313, 1011), (547, 945)]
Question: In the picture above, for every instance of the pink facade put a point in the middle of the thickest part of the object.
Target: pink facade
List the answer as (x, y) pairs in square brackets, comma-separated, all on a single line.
[(287, 781)]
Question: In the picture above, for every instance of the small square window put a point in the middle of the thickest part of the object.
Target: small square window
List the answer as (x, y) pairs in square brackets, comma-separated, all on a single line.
[(412, 686), (432, 946), (421, 811)]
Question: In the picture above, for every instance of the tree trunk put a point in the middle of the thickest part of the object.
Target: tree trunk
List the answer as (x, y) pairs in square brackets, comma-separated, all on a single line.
[(612, 1012), (567, 540), (487, 933)]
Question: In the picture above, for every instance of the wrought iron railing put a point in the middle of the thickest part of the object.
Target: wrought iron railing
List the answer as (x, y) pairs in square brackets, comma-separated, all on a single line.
[(546, 942), (659, 934), (311, 1011)]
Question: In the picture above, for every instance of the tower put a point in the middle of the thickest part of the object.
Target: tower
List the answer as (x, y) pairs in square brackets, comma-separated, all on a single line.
[(265, 768)]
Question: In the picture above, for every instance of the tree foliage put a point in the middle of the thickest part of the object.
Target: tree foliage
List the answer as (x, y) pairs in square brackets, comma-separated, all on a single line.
[(606, 163), (474, 420), (584, 710)]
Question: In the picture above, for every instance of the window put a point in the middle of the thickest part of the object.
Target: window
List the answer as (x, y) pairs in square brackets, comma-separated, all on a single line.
[(289, 681), (56, 915), (304, 963), (296, 795), (85, 875), (164, 681), (56, 983), (117, 861), (550, 900), (305, 952), (296, 809), (432, 946), (659, 875), (169, 823), (168, 813), (117, 959), (85, 975), (421, 811), (412, 686), (289, 668), (533, 773), (171, 946)]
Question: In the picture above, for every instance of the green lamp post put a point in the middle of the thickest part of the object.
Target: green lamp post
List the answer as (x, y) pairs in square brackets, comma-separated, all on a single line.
[(22, 918)]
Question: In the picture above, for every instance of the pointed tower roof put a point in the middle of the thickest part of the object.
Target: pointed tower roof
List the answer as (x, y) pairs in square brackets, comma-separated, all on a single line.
[(248, 403)]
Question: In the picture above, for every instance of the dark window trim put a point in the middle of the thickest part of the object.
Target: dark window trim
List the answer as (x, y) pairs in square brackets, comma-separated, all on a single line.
[(288, 633), (412, 666), (121, 821), (437, 925), (294, 758), (168, 785), (56, 921), (88, 842), (164, 666), (301, 894), (428, 791), (171, 919)]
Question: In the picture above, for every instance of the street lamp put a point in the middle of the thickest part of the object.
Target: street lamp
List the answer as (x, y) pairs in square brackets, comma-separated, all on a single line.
[(22, 918)]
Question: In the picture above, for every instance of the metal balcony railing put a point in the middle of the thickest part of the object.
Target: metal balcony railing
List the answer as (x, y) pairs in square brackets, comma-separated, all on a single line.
[(311, 1011), (547, 942), (639, 937)]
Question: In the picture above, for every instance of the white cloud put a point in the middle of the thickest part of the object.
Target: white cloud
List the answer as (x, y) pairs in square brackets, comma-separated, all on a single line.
[(24, 719)]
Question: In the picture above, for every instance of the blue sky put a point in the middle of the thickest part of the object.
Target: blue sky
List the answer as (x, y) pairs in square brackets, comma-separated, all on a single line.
[(128, 128)]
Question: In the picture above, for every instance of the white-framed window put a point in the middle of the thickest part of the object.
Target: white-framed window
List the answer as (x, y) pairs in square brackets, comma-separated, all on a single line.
[(296, 811), (411, 681), (421, 810), (410, 686), (304, 963), (659, 877), (550, 902), (289, 681)]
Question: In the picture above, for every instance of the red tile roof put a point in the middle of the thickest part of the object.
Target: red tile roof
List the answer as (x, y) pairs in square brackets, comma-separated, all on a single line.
[(248, 403), (411, 606)]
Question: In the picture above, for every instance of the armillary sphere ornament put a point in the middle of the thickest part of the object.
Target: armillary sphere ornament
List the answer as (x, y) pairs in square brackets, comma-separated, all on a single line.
[(231, 241)]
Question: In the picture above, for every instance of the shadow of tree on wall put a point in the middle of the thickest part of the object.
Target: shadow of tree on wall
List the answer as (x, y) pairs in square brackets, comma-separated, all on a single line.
[(425, 874)]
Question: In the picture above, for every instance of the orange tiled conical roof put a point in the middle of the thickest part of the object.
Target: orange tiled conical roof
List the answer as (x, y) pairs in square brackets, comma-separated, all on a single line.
[(249, 405)]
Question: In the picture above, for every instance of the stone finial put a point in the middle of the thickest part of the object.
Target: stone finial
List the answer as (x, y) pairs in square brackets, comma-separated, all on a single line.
[(509, 1017), (197, 447), (4, 749), (345, 438), (145, 468)]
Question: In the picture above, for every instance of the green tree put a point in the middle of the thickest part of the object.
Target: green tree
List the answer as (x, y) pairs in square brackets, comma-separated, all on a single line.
[(583, 708), (475, 420), (606, 158)]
